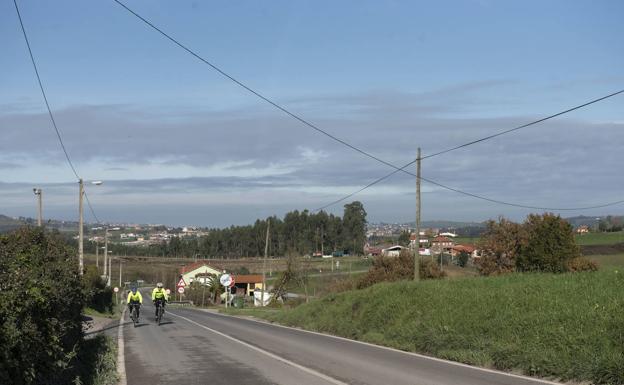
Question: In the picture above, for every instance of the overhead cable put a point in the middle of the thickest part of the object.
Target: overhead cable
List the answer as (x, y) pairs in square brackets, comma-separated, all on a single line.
[(45, 98)]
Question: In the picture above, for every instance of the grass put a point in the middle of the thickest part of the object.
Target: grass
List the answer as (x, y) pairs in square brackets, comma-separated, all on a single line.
[(609, 261), (96, 362), (117, 309), (566, 326), (600, 238)]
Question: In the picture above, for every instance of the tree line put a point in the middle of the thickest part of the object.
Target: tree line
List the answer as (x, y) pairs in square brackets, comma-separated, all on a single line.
[(298, 233)]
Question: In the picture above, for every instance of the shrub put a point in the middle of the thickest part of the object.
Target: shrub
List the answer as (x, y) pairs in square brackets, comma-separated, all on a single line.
[(388, 269), (40, 308), (581, 264), (462, 259), (549, 244), (500, 245), (97, 294)]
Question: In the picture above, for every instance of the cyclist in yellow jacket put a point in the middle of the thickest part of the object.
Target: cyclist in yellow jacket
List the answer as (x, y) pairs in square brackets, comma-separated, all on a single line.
[(135, 299), (159, 296)]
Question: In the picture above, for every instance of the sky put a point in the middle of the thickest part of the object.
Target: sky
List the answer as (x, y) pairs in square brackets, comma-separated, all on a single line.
[(175, 142)]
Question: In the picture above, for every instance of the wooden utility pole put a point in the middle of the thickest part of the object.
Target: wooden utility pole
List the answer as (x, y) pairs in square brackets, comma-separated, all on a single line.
[(97, 255), (417, 248), (80, 229), (266, 255)]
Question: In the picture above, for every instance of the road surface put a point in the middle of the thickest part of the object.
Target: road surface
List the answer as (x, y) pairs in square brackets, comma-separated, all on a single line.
[(199, 347)]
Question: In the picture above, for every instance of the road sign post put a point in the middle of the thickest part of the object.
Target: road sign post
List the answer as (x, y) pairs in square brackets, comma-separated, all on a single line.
[(227, 281)]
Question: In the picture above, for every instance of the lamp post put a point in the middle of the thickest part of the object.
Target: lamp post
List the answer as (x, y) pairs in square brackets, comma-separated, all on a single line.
[(80, 223), (38, 192)]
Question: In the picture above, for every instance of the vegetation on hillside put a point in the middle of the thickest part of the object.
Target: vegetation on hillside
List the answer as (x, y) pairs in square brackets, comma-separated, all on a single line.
[(562, 326)]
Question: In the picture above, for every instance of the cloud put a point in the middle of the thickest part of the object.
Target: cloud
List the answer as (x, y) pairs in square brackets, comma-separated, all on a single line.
[(259, 157)]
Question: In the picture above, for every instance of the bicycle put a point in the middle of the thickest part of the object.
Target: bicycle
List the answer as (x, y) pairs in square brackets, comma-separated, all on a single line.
[(134, 314), (160, 310)]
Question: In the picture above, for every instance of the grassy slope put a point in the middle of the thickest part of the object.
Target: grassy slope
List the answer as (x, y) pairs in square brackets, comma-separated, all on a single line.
[(567, 326)]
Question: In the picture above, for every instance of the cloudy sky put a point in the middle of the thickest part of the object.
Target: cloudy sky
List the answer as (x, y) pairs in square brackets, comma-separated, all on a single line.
[(177, 143)]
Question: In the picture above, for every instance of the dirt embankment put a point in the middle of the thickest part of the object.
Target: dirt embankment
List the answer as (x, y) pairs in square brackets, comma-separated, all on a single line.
[(615, 248)]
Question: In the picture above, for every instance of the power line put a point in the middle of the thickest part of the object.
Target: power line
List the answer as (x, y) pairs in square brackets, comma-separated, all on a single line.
[(254, 92), (465, 193), (481, 140), (91, 208), (523, 126), (313, 126), (45, 98), (32, 58)]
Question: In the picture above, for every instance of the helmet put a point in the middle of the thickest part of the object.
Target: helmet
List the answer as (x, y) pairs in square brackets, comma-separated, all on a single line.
[(159, 285), (134, 289)]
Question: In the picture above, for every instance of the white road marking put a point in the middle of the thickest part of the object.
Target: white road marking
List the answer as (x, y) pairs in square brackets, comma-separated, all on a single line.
[(274, 356), (395, 350), (121, 360)]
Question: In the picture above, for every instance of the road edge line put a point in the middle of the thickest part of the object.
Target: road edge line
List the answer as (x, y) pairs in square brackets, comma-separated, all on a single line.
[(267, 353), (121, 360), (492, 371)]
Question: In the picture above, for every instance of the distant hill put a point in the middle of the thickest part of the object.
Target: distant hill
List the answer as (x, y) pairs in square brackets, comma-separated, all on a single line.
[(449, 224), (7, 223)]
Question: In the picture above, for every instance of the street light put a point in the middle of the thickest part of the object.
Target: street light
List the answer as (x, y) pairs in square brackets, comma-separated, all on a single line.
[(80, 223), (38, 192)]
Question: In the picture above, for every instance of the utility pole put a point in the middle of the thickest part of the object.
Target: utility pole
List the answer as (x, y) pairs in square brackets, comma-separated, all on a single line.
[(110, 270), (120, 271), (266, 254), (80, 229), (38, 193), (97, 255), (105, 251), (417, 248)]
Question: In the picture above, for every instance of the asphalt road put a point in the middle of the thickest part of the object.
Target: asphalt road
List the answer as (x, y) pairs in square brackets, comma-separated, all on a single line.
[(198, 347)]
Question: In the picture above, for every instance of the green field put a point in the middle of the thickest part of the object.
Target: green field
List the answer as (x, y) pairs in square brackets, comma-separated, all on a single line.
[(609, 261), (566, 327), (600, 238)]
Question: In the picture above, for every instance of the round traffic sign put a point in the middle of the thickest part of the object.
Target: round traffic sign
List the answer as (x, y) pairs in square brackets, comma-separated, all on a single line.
[(180, 290), (116, 289), (168, 291), (226, 280)]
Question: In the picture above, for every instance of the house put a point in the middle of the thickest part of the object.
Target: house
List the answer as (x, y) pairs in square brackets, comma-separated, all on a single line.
[(422, 240), (582, 229), (441, 244), (470, 249), (392, 251), (199, 271), (247, 283)]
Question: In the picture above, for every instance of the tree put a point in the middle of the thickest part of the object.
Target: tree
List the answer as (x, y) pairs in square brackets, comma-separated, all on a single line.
[(40, 305), (500, 244), (354, 222), (549, 244), (462, 258), (404, 238)]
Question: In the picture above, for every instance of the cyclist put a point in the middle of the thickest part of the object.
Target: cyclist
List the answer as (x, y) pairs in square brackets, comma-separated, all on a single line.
[(135, 299), (159, 295)]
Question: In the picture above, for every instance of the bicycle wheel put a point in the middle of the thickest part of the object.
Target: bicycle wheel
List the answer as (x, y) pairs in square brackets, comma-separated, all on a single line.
[(160, 313), (135, 319)]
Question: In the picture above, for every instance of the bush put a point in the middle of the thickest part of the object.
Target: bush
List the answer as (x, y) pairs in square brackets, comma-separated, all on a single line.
[(581, 264), (40, 308), (549, 244), (388, 269), (97, 294), (462, 259)]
